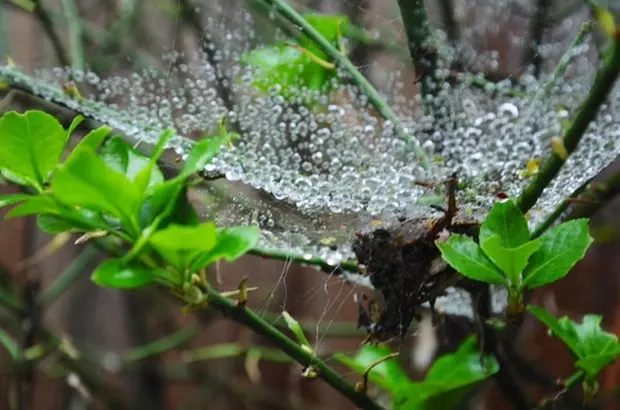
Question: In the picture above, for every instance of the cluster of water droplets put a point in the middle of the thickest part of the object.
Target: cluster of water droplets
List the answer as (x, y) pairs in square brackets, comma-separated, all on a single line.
[(314, 166)]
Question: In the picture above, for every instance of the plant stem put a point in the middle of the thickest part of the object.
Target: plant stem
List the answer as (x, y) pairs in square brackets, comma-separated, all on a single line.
[(603, 84), (421, 42), (539, 24), (257, 324), (345, 63), (67, 277), (559, 210), (349, 265), (75, 33), (560, 69), (46, 21)]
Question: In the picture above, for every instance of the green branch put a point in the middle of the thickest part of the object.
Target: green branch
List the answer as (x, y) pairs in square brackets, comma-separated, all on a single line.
[(603, 84), (305, 358), (422, 47), (46, 21), (75, 33)]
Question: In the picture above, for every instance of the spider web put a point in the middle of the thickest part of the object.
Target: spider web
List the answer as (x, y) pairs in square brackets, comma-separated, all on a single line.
[(312, 177)]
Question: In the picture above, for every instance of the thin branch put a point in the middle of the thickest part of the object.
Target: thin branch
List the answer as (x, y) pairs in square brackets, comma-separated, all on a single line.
[(189, 14), (48, 26), (539, 24), (421, 41), (560, 69), (603, 85), (305, 358), (450, 25), (67, 277), (559, 210), (75, 33)]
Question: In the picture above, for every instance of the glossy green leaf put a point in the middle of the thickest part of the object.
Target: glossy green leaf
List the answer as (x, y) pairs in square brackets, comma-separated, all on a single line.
[(203, 153), (163, 139), (388, 375), (150, 175), (122, 158), (594, 347), (448, 380), (54, 224), (11, 199), (464, 255), (286, 68), (512, 261), (114, 274), (84, 180), (73, 126), (95, 138), (39, 204), (12, 177), (506, 221), (75, 220), (169, 202), (186, 238), (326, 24), (561, 248), (232, 243), (31, 145)]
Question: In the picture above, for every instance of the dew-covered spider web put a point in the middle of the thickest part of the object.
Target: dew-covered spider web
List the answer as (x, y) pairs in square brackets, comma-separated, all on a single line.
[(315, 165)]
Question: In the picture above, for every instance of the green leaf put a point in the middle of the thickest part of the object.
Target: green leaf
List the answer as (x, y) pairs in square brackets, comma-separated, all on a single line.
[(295, 327), (186, 238), (448, 380), (73, 126), (40, 204), (561, 248), (54, 224), (122, 158), (114, 274), (388, 375), (506, 221), (172, 191), (286, 68), (594, 347), (146, 178), (12, 199), (95, 138), (326, 24), (203, 153), (31, 145), (158, 150), (84, 180), (12, 177), (464, 255), (232, 243), (511, 261), (180, 245)]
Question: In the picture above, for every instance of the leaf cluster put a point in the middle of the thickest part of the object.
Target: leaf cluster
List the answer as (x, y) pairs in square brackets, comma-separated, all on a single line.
[(105, 187), (507, 255)]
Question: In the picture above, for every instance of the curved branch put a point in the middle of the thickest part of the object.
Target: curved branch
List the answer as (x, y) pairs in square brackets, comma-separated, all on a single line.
[(248, 318), (603, 85)]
